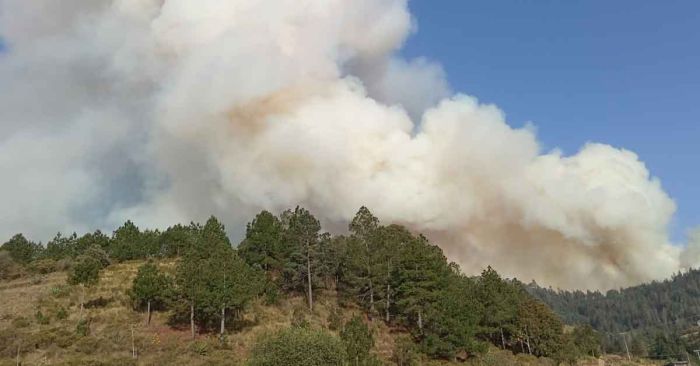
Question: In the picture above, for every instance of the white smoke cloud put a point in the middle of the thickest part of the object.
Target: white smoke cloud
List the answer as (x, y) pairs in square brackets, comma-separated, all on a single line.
[(171, 110)]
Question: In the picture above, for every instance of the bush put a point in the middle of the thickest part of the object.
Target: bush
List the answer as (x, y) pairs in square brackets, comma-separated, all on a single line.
[(199, 348), (271, 294), (43, 266), (41, 318), (9, 269), (298, 347), (61, 313), (299, 317), (60, 291), (335, 319), (99, 302), (20, 322), (83, 328), (405, 353), (358, 340)]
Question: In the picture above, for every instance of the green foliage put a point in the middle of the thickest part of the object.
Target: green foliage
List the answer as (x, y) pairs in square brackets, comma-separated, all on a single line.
[(85, 271), (177, 239), (150, 285), (82, 329), (126, 243), (358, 340), (298, 347), (200, 348), (451, 323), (500, 302), (301, 235), (335, 318), (22, 250), (41, 318), (99, 254), (643, 311), (539, 330), (586, 340), (262, 244), (212, 277), (61, 313), (60, 291), (405, 352), (299, 317), (43, 266)]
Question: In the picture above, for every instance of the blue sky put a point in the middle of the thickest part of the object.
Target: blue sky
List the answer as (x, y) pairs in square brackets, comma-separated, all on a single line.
[(620, 72)]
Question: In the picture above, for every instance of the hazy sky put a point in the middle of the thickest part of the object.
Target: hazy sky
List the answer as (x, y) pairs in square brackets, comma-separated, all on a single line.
[(620, 72)]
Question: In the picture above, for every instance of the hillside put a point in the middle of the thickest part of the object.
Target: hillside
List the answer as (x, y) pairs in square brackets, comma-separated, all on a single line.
[(287, 294), (111, 318), (665, 310)]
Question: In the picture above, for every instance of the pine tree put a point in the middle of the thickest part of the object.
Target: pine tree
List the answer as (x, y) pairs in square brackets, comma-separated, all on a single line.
[(302, 234), (85, 273), (150, 286), (261, 246), (363, 229)]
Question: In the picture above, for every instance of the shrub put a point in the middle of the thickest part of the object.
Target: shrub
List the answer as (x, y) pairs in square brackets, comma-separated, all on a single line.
[(60, 291), (61, 313), (43, 266), (335, 319), (405, 353), (83, 328), (9, 269), (41, 318), (298, 347), (199, 348), (20, 322), (299, 317), (358, 340), (271, 294), (99, 302)]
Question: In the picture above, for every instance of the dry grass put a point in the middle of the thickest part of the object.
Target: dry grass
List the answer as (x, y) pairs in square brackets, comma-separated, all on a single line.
[(110, 339)]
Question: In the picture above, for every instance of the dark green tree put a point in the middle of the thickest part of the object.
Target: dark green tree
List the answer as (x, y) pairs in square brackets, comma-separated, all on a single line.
[(538, 330), (363, 229), (84, 273), (22, 250), (126, 242), (500, 302), (358, 340), (261, 247), (150, 287), (302, 233)]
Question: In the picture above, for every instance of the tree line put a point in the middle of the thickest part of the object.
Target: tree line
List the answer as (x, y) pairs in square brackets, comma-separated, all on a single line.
[(394, 275), (658, 319)]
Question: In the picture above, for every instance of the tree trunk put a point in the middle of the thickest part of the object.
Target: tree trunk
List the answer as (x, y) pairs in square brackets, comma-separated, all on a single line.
[(18, 352), (133, 345), (529, 349), (369, 277), (192, 318), (308, 276), (148, 319), (82, 302), (420, 321), (388, 290), (503, 339), (388, 301), (223, 320)]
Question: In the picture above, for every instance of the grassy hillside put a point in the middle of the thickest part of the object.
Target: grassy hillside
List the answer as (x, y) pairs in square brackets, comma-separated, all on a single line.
[(51, 338)]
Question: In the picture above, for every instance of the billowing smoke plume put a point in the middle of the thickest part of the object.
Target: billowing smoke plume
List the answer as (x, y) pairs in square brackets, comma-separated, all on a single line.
[(168, 111)]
